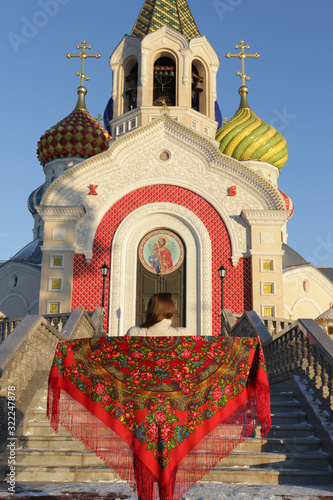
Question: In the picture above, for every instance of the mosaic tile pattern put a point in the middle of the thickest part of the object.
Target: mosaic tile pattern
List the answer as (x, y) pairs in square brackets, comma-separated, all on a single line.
[(87, 281), (77, 135), (173, 13)]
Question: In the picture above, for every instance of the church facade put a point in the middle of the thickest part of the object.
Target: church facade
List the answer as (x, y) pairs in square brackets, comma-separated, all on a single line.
[(165, 195)]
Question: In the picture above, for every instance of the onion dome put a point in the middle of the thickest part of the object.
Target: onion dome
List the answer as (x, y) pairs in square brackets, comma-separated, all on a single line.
[(288, 203), (78, 135), (247, 137), (35, 198)]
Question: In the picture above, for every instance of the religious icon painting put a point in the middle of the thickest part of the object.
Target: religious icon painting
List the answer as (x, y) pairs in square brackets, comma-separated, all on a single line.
[(161, 252)]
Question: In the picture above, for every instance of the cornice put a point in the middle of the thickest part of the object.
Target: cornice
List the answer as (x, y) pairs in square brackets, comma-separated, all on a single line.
[(265, 217), (60, 214), (266, 253), (54, 249)]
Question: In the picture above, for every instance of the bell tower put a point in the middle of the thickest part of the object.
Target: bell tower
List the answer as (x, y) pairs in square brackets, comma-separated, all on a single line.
[(165, 64)]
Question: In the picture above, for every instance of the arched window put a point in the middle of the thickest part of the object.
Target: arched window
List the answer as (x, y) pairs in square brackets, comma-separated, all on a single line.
[(164, 82), (131, 89), (197, 89)]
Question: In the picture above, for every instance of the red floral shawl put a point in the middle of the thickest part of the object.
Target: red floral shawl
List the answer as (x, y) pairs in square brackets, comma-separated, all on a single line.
[(180, 404)]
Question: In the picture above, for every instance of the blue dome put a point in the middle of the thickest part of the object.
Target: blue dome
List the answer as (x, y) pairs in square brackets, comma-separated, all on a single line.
[(35, 198)]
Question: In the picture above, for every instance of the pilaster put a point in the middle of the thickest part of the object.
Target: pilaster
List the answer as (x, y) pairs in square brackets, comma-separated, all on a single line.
[(58, 257), (266, 260)]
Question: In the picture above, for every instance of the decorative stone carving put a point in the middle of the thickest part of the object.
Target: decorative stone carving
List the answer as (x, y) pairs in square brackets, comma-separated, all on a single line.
[(195, 163)]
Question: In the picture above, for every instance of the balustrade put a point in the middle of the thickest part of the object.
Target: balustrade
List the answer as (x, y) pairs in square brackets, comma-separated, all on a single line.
[(7, 326), (304, 350)]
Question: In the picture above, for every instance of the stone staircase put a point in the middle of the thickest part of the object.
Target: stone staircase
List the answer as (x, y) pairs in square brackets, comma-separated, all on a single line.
[(291, 454)]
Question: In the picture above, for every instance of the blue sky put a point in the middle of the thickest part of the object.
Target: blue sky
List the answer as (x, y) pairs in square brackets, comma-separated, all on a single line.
[(289, 88)]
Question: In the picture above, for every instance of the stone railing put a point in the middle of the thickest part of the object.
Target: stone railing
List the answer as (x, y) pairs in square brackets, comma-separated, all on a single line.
[(82, 324), (7, 326), (273, 325), (57, 320), (304, 352), (84, 321), (26, 355), (28, 349), (248, 325)]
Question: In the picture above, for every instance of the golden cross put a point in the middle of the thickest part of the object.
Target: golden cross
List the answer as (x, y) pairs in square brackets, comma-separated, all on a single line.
[(242, 55), (83, 55), (99, 118), (225, 119)]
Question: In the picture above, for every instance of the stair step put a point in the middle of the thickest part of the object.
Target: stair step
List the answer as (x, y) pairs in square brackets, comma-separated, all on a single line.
[(282, 396), (269, 476), (55, 442), (285, 406), (289, 431), (43, 428), (70, 458), (272, 445), (64, 474), (288, 418), (248, 475), (239, 458), (316, 460)]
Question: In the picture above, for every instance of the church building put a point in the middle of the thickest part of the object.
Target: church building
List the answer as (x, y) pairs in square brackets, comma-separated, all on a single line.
[(164, 195)]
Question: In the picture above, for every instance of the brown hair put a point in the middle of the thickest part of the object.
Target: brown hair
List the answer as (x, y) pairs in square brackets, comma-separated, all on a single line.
[(160, 306)]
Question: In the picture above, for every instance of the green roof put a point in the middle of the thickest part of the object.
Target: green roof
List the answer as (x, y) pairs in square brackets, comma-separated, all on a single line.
[(174, 13)]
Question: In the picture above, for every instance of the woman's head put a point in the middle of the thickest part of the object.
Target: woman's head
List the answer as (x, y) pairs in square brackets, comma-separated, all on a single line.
[(160, 306)]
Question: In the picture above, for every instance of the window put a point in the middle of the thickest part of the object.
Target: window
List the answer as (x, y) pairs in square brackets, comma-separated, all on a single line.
[(268, 311), (132, 124), (57, 261), (54, 307), (267, 265), (164, 82), (197, 88), (55, 284), (267, 288), (131, 88)]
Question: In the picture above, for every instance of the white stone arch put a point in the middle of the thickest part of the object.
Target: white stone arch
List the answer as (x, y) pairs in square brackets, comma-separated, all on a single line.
[(305, 299), (123, 266)]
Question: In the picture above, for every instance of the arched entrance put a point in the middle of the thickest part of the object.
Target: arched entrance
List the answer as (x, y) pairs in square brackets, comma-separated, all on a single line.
[(161, 268)]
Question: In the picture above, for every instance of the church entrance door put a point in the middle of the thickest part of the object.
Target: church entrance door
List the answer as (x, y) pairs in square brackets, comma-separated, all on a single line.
[(161, 268)]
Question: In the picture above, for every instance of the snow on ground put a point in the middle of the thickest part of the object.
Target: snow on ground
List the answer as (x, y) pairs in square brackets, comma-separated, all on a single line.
[(202, 491)]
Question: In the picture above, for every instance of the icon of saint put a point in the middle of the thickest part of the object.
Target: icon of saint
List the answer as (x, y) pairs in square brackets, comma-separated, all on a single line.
[(160, 258)]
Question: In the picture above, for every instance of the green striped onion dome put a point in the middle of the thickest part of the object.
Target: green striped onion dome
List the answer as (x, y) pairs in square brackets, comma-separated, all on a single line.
[(247, 137)]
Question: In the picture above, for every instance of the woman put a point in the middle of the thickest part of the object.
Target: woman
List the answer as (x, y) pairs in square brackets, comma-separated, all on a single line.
[(159, 316), (160, 312)]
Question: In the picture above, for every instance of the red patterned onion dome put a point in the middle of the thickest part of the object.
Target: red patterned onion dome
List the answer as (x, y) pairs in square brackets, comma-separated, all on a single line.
[(78, 135), (288, 203)]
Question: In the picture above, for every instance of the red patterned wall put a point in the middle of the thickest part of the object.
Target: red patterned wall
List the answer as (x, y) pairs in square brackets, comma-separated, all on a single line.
[(87, 282)]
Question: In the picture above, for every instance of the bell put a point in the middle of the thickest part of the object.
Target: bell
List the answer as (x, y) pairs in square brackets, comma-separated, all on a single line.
[(198, 87), (162, 99)]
